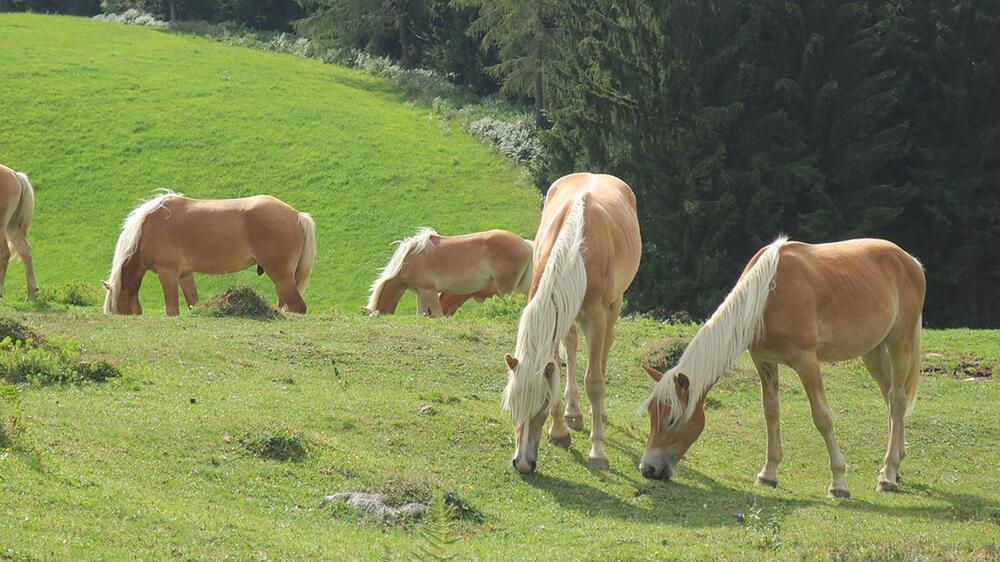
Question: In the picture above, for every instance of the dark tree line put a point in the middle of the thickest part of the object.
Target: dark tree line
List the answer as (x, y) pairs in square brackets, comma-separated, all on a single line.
[(733, 121)]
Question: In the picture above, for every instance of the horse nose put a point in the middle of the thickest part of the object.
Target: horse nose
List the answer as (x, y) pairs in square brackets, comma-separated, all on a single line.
[(648, 471)]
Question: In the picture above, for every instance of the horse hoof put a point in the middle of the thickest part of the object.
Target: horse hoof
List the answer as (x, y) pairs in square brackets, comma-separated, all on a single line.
[(561, 441), (597, 463), (574, 422), (761, 481), (839, 494), (886, 486)]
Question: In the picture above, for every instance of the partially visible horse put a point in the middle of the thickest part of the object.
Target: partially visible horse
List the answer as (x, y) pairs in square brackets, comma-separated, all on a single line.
[(429, 264), (587, 252), (799, 305), (17, 208), (176, 236)]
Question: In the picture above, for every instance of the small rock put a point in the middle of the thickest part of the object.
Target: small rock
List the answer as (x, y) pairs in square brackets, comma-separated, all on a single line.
[(427, 409), (193, 401), (932, 354), (374, 505)]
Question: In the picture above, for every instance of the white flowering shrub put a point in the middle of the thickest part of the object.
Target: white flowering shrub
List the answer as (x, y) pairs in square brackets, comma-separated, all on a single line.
[(517, 139)]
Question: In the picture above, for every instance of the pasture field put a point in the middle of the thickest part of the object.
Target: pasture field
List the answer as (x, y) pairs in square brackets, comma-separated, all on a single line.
[(99, 115), (159, 463)]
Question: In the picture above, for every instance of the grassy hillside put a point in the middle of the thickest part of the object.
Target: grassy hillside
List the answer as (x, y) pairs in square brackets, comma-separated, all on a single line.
[(100, 115), (159, 464)]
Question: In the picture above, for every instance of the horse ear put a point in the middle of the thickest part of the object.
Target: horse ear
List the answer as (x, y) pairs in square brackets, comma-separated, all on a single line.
[(682, 382), (653, 373), (510, 361)]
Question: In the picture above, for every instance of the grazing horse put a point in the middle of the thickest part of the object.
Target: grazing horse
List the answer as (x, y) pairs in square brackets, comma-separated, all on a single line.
[(17, 208), (799, 305), (587, 252), (177, 237), (429, 264)]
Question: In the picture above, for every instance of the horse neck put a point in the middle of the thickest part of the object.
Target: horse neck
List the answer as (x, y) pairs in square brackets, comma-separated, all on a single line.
[(389, 294)]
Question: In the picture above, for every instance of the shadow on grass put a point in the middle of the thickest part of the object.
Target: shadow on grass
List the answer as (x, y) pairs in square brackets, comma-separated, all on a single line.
[(694, 499)]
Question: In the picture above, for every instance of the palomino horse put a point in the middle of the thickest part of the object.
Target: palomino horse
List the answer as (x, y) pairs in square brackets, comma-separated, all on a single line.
[(798, 305), (17, 207), (176, 237), (586, 254), (429, 264)]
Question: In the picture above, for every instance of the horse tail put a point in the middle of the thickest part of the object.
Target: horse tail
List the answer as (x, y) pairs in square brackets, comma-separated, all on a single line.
[(128, 244), (913, 377), (416, 243), (20, 222), (308, 255)]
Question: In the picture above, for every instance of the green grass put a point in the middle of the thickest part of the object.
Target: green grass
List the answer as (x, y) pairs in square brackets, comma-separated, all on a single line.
[(166, 461), (100, 115)]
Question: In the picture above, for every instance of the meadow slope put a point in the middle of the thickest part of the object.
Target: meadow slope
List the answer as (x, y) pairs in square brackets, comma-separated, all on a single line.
[(99, 115), (156, 465)]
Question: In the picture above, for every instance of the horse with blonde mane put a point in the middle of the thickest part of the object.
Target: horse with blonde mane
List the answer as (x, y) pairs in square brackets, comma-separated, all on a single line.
[(587, 252), (799, 305), (17, 209), (176, 237), (475, 265)]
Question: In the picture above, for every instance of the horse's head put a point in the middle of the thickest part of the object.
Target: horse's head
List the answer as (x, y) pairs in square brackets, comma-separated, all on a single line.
[(670, 431), (119, 301), (528, 397)]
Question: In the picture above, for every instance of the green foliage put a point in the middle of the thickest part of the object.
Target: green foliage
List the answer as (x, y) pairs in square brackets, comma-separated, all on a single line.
[(42, 363), (764, 529), (438, 534), (10, 417), (74, 293), (275, 444)]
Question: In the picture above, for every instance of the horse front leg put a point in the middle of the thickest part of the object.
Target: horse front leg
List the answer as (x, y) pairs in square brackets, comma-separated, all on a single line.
[(4, 260), (169, 281), (596, 333), (190, 291), (573, 416), (559, 433), (812, 380), (429, 303), (768, 373)]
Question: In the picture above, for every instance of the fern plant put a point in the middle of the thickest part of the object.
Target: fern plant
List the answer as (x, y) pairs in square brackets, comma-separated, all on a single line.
[(438, 534)]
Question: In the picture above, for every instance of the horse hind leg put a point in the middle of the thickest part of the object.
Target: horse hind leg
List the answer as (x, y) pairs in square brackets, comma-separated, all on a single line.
[(573, 416), (289, 298), (902, 367)]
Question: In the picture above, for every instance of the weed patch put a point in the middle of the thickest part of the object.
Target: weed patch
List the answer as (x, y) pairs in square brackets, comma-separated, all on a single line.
[(29, 358), (276, 445), (72, 293)]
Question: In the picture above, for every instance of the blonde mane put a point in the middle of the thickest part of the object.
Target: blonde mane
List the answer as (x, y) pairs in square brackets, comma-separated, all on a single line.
[(128, 243), (547, 319), (717, 346), (419, 242)]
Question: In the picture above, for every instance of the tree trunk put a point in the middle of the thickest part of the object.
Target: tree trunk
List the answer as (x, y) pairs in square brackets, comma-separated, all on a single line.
[(404, 39), (540, 121), (173, 9)]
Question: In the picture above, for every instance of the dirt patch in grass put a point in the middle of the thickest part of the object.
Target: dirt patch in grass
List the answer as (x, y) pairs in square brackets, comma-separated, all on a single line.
[(419, 489), (276, 445), (239, 301), (966, 367)]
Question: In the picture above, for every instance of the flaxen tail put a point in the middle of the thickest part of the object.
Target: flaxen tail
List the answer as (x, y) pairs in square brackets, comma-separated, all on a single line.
[(308, 256), (20, 222)]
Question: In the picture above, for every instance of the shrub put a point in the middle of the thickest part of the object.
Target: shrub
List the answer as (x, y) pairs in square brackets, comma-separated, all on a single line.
[(75, 293), (49, 363), (517, 139), (238, 301)]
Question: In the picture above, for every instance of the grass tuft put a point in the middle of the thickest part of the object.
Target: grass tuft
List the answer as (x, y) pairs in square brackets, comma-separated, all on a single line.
[(276, 445), (664, 353), (72, 293)]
